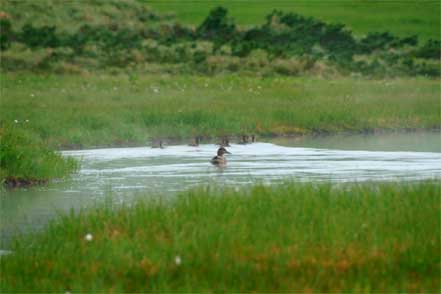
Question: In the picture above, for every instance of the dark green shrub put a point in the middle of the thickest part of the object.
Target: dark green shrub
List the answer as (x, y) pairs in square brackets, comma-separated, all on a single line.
[(430, 50), (383, 41), (44, 36), (6, 34), (217, 27), (431, 70), (338, 41), (199, 56)]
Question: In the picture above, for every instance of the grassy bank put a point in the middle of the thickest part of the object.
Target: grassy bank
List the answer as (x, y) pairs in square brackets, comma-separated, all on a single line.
[(399, 17), (296, 237), (96, 110), (25, 160)]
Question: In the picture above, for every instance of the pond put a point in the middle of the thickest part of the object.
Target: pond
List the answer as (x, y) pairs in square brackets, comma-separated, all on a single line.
[(130, 173)]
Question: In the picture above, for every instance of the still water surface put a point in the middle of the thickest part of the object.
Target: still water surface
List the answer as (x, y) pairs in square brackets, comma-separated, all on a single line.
[(130, 173)]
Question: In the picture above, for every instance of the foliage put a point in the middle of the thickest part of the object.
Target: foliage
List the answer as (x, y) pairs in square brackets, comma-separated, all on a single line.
[(44, 36), (217, 28), (384, 41), (6, 34), (430, 50)]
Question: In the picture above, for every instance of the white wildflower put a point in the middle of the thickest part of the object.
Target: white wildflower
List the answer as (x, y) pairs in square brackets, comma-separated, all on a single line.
[(15, 121), (27, 120), (32, 95), (178, 260), (88, 237)]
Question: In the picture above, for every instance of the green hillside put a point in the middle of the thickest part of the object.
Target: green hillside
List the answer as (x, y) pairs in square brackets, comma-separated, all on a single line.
[(70, 15), (403, 18)]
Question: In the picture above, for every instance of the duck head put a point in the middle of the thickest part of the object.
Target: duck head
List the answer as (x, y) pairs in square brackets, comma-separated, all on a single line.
[(221, 151)]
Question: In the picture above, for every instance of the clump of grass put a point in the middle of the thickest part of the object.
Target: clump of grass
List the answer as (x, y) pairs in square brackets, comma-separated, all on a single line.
[(292, 237), (25, 160)]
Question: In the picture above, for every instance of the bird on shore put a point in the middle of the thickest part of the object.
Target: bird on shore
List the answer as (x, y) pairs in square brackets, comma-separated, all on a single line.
[(219, 159), (158, 144), (225, 142), (246, 139), (196, 142)]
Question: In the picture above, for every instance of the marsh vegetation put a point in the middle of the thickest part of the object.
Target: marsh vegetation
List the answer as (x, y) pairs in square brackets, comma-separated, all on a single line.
[(118, 73), (302, 237), (103, 110)]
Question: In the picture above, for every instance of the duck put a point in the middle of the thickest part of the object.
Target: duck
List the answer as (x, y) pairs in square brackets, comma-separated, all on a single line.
[(244, 140), (225, 142), (195, 142), (158, 144), (219, 159)]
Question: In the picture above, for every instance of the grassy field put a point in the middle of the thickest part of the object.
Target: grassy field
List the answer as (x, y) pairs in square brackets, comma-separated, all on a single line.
[(403, 18), (296, 237), (97, 110)]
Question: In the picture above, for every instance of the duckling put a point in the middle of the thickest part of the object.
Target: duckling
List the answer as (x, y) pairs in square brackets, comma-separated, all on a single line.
[(195, 142), (158, 144), (225, 142), (244, 139), (219, 159)]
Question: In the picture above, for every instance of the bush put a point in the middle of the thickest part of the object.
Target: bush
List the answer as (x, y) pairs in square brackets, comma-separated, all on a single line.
[(44, 36), (430, 50), (384, 41), (217, 27), (6, 34)]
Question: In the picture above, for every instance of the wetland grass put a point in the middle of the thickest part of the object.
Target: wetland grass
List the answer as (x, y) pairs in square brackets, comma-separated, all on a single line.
[(100, 110), (25, 160), (375, 237)]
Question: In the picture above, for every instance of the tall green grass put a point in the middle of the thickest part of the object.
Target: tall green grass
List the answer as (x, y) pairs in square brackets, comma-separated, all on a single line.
[(403, 18), (294, 237), (99, 109), (25, 159)]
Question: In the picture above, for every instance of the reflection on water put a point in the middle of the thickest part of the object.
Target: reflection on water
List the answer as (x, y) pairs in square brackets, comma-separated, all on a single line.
[(136, 172)]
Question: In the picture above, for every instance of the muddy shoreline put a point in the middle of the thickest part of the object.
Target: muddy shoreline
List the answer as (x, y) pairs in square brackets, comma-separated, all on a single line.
[(238, 138)]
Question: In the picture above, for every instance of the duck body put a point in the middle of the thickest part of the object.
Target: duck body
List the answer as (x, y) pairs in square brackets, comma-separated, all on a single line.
[(218, 160)]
